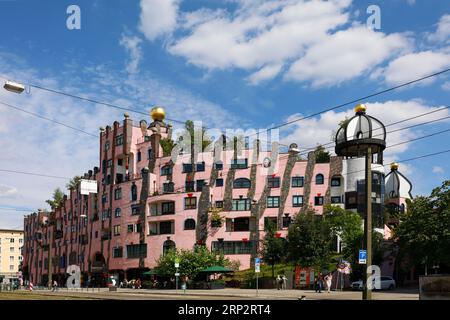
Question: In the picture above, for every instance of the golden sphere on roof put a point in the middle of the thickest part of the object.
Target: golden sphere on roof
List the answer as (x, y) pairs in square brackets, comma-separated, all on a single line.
[(360, 108), (394, 166), (158, 113)]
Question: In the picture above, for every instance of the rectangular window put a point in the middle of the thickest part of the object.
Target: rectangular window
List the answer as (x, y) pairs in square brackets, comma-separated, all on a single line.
[(200, 167), (107, 145), (240, 205), (219, 204), (318, 201), (286, 221), (118, 252), (273, 182), (335, 182), (166, 170), (130, 228), (135, 210), (219, 182), (190, 186), (168, 187), (187, 167), (165, 227), (219, 165), (11, 249), (139, 156), (297, 182), (273, 202), (116, 230), (168, 207), (119, 140), (120, 162), (239, 164), (135, 251), (138, 227), (118, 194), (200, 184), (336, 199), (149, 154), (297, 201), (11, 240), (109, 163), (238, 224), (190, 203), (233, 247)]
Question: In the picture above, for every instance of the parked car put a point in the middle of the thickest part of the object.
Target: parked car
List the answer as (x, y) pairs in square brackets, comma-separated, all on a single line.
[(386, 283)]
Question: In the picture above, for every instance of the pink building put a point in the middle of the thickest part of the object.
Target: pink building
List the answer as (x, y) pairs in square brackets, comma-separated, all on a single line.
[(146, 204)]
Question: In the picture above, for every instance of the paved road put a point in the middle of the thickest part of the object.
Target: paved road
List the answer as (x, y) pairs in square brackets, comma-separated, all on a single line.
[(224, 294)]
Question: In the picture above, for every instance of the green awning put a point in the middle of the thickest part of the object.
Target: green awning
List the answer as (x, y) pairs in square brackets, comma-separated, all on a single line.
[(217, 269), (150, 273)]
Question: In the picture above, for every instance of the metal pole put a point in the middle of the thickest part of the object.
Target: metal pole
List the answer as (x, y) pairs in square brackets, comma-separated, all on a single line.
[(257, 284), (367, 293)]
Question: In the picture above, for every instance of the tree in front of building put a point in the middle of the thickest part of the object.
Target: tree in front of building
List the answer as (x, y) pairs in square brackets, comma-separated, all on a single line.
[(309, 240), (423, 234), (273, 248), (191, 262)]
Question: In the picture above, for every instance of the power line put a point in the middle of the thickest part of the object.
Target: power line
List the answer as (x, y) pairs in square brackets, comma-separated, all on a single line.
[(357, 100), (106, 104), (48, 119), (34, 174)]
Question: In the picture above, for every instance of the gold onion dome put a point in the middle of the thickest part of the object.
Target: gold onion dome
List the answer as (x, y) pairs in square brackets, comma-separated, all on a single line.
[(394, 166), (158, 114), (360, 108)]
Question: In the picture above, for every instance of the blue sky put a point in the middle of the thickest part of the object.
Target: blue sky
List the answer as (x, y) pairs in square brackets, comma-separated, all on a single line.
[(231, 64)]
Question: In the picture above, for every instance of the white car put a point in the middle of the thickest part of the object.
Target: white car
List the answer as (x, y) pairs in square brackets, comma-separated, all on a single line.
[(386, 283)]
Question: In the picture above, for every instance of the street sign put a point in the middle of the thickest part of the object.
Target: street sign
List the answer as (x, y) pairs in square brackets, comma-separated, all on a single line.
[(362, 257), (177, 262), (177, 274), (257, 265)]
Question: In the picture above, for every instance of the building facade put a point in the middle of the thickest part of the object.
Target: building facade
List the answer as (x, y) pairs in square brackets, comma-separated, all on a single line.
[(147, 203), (11, 243)]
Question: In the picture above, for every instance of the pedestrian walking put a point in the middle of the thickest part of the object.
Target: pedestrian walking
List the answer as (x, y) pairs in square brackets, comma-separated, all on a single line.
[(284, 279), (279, 282), (320, 281), (328, 280)]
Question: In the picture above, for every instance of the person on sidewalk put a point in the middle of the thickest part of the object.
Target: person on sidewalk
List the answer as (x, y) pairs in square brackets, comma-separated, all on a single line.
[(320, 282), (279, 282), (55, 285), (284, 279), (328, 279)]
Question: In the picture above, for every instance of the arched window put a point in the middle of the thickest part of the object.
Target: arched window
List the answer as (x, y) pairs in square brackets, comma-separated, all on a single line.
[(167, 246), (133, 192), (242, 183), (319, 178), (166, 170), (189, 224)]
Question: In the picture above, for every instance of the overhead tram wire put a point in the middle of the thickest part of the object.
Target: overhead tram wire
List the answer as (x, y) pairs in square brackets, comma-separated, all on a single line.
[(106, 104), (358, 99), (34, 174), (47, 119)]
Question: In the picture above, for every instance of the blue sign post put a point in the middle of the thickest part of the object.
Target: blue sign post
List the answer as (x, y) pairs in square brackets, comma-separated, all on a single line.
[(362, 256)]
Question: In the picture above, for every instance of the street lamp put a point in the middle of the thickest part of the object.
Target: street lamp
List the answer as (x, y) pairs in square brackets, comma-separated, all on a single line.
[(14, 86), (356, 138)]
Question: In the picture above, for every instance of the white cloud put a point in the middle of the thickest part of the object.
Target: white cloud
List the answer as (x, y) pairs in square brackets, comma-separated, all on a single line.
[(265, 73), (259, 34), (442, 33), (438, 170), (132, 46), (310, 132), (415, 65), (158, 17), (7, 191), (345, 55)]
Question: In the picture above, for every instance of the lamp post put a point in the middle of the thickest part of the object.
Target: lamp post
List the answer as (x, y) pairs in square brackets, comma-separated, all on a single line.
[(356, 138)]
